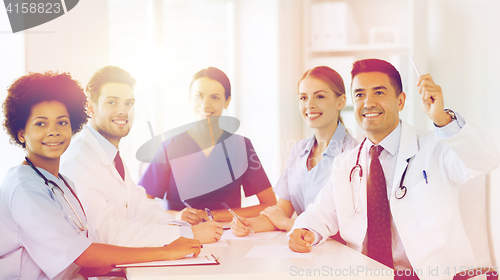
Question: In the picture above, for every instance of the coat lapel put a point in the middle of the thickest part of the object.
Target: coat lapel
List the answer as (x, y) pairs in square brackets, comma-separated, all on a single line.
[(99, 152)]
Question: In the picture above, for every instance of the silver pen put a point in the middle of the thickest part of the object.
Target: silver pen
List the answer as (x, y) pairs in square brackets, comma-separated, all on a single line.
[(236, 216), (209, 214)]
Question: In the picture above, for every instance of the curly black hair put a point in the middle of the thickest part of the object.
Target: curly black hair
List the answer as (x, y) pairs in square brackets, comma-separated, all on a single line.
[(35, 88)]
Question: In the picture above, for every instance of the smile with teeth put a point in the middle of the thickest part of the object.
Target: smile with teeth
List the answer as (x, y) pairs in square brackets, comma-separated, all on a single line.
[(313, 115), (53, 144), (121, 122), (371, 115)]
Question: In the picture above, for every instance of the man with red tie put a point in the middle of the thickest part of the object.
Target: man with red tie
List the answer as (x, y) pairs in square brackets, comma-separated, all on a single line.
[(395, 197), (118, 210)]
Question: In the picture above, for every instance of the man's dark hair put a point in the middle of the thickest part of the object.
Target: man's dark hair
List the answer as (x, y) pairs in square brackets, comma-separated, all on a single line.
[(378, 65)]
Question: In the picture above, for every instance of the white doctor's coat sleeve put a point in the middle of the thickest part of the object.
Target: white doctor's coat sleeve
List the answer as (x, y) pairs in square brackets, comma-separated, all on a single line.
[(137, 222), (474, 153), (320, 216)]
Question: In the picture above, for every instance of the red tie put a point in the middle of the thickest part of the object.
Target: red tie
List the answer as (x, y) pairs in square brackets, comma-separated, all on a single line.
[(379, 213), (119, 165)]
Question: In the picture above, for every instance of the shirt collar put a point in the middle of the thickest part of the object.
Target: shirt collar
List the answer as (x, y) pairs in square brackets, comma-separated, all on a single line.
[(391, 142), (334, 147), (109, 148)]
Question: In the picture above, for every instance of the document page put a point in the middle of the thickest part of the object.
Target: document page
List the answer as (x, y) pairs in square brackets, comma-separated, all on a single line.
[(200, 260)]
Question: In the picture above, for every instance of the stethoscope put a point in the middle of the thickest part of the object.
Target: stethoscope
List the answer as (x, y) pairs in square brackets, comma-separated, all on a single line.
[(399, 194), (80, 224)]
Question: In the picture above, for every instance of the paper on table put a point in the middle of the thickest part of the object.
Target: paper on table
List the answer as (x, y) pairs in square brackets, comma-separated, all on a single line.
[(275, 252), (220, 243), (254, 236), (200, 260)]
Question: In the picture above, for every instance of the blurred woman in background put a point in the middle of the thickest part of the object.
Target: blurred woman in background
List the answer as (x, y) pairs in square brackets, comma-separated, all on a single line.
[(206, 165)]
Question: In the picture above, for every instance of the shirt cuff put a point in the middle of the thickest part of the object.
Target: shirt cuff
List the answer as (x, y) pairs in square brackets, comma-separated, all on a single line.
[(450, 129), (186, 232)]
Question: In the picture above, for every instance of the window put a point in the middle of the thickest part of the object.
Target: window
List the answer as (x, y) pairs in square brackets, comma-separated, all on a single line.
[(163, 43)]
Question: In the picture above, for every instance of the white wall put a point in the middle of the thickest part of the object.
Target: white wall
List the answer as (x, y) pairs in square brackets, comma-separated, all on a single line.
[(256, 85), (464, 60), (12, 66), (290, 70), (76, 42)]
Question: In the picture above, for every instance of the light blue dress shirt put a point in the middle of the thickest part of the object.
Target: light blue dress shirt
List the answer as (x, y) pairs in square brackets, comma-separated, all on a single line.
[(299, 185)]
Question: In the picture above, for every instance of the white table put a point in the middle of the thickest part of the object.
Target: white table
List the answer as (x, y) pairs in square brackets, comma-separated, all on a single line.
[(331, 259)]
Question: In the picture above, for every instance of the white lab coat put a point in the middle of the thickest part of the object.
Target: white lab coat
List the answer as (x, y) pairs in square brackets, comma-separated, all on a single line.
[(428, 217), (118, 212)]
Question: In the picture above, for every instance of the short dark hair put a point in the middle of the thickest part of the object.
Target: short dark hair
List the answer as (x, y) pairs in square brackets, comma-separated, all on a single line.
[(35, 88), (378, 65), (108, 74), (214, 74)]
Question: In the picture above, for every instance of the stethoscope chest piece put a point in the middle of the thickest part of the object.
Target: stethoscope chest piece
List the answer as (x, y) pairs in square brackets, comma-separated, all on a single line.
[(401, 192)]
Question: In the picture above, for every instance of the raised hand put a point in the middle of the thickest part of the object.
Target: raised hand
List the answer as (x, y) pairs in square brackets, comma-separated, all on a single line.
[(432, 100)]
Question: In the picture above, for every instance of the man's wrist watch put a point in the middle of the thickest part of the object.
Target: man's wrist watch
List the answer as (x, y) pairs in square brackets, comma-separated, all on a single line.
[(452, 114)]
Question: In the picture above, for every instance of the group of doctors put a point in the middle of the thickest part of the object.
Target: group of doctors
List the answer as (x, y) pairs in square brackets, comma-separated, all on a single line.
[(393, 197)]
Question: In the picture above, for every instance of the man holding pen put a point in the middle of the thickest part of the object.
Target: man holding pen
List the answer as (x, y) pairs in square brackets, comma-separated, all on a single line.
[(395, 196)]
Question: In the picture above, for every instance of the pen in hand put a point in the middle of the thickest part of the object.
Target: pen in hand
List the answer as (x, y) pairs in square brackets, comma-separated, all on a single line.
[(189, 206), (186, 204), (209, 214), (236, 216)]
